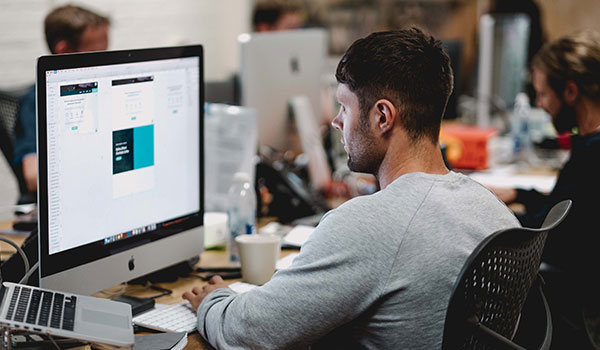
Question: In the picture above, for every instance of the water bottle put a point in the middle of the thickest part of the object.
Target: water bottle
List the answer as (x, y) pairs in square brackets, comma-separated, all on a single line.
[(241, 212), (520, 129)]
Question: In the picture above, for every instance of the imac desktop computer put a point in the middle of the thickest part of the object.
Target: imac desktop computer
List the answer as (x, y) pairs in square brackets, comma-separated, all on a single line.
[(120, 158), (274, 68), (281, 77)]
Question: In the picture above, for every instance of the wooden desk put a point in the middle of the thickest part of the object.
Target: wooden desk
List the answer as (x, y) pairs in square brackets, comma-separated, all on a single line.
[(211, 258), (207, 259)]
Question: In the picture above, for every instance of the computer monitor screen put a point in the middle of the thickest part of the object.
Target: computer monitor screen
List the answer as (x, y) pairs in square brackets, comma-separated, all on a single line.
[(274, 68), (120, 164), (503, 43)]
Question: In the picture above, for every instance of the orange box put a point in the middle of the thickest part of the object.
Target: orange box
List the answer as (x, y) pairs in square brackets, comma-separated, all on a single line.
[(466, 145)]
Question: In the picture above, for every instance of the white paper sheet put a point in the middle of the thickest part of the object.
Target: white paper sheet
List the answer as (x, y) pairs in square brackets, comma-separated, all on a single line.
[(298, 235)]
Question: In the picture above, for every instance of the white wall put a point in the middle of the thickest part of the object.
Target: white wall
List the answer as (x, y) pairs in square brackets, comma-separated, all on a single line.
[(135, 24)]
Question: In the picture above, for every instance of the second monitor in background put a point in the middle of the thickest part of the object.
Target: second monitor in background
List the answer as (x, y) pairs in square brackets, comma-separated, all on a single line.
[(503, 43), (281, 77), (274, 68)]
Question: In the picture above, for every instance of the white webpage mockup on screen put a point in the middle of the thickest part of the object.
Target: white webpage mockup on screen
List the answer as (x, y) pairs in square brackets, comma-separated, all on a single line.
[(118, 149)]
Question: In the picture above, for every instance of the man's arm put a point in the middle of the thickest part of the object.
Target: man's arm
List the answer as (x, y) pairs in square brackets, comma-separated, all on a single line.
[(507, 195), (339, 274), (30, 171), (25, 140)]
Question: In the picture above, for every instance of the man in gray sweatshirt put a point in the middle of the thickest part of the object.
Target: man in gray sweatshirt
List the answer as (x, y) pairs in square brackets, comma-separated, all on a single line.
[(378, 271)]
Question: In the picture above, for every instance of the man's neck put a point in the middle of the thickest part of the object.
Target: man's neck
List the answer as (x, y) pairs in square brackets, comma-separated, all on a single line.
[(588, 116), (422, 157)]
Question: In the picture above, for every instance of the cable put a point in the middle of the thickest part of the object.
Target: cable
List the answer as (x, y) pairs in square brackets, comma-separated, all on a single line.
[(52, 340), (29, 273), (21, 252)]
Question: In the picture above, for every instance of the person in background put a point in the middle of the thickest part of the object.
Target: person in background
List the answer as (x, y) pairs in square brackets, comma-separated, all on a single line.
[(274, 16), (378, 271), (68, 29), (566, 78)]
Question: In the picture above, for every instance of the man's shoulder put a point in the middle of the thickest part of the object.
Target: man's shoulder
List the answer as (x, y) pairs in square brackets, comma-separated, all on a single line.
[(584, 154), (393, 206), (459, 199), (407, 191), (594, 141), (27, 103), (29, 94)]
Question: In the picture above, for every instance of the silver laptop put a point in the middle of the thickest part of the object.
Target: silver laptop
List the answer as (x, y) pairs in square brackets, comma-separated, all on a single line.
[(67, 315)]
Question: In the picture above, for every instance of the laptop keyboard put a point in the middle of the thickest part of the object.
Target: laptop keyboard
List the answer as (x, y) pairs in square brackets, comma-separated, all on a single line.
[(43, 308)]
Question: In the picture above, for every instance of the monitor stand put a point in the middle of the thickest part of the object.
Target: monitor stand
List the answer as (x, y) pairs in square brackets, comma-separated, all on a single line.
[(168, 274)]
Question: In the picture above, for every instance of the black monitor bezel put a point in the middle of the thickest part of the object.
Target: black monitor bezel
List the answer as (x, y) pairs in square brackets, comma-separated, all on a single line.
[(58, 262)]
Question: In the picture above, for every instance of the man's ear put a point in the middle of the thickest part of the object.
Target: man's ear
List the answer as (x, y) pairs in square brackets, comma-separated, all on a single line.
[(62, 46), (571, 92), (385, 115)]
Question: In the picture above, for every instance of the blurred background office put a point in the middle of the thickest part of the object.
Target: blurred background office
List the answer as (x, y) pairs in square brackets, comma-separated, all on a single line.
[(217, 25)]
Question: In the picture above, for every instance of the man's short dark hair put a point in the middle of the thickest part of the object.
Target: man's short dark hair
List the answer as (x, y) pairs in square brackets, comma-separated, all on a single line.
[(68, 23), (406, 67)]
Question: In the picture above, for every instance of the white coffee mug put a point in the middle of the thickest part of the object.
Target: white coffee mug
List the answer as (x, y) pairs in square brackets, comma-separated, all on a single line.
[(258, 256)]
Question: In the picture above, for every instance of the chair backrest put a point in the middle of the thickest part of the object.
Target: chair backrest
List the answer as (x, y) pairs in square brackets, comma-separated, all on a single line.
[(9, 107), (493, 284)]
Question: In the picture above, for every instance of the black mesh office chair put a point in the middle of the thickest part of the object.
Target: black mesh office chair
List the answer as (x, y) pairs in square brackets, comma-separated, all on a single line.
[(492, 287), (9, 107)]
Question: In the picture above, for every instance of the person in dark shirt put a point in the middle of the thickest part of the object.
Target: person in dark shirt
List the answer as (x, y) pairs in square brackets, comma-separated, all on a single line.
[(566, 78), (68, 29)]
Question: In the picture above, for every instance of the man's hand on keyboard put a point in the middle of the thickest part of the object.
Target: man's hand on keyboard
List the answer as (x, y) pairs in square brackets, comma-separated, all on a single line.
[(197, 294)]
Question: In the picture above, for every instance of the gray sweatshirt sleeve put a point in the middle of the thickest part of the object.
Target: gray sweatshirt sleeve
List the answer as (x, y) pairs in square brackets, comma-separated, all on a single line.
[(304, 302)]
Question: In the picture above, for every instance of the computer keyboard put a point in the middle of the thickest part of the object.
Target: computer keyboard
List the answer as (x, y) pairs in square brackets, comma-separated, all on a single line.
[(172, 318)]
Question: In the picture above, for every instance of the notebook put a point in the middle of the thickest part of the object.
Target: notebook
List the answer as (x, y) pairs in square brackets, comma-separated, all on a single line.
[(161, 341), (66, 315)]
